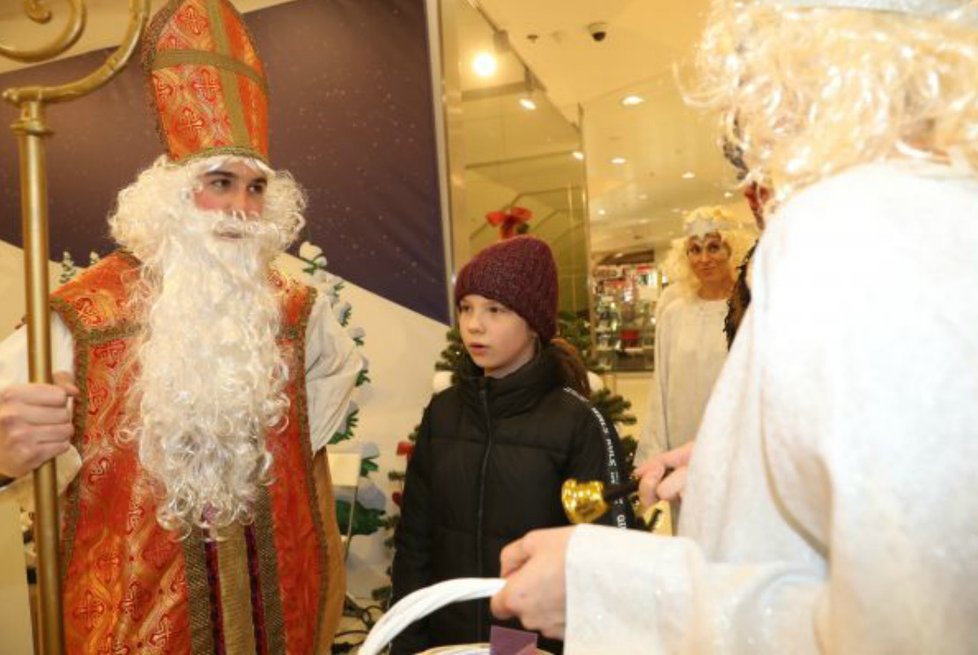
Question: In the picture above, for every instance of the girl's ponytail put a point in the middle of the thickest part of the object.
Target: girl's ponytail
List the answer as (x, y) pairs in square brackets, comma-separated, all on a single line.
[(573, 373)]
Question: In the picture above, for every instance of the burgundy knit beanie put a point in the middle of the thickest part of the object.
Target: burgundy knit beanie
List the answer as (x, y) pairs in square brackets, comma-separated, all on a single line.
[(520, 273)]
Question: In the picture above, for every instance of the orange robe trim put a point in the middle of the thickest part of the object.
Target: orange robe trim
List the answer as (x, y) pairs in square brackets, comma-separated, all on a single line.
[(133, 587)]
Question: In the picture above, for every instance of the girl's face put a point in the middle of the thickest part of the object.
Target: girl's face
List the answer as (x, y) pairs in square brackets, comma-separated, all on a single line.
[(708, 257), (497, 338)]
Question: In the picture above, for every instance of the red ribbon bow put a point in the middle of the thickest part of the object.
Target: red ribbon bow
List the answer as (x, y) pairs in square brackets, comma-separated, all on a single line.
[(510, 222)]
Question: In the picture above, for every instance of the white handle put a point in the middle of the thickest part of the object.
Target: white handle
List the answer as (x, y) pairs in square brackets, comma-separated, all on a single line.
[(423, 602)]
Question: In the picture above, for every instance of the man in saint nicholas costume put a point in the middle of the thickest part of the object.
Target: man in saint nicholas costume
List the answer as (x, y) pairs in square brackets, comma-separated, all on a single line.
[(202, 387)]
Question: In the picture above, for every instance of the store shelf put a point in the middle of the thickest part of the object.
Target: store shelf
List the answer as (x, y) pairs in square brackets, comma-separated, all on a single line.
[(624, 302)]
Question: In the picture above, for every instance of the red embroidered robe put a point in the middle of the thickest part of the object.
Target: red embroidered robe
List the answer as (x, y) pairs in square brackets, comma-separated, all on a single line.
[(132, 587)]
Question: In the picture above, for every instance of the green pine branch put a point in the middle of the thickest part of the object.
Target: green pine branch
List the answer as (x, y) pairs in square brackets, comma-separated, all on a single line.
[(347, 432), (613, 407), (453, 355), (629, 446), (366, 520), (368, 465)]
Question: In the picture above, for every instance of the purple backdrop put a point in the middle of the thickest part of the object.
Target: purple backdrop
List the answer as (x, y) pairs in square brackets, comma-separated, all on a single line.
[(351, 117)]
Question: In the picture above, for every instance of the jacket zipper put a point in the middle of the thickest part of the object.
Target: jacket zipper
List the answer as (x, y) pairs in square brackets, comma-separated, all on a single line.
[(480, 512)]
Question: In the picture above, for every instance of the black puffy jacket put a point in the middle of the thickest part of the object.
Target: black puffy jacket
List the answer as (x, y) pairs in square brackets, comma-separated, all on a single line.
[(487, 468)]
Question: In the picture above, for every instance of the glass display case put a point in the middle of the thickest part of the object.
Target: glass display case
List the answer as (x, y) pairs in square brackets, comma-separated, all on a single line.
[(624, 307)]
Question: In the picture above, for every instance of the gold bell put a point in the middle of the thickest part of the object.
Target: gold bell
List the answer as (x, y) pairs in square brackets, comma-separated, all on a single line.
[(585, 502)]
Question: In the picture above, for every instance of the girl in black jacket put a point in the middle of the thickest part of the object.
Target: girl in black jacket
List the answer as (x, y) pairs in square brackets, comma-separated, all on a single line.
[(494, 449)]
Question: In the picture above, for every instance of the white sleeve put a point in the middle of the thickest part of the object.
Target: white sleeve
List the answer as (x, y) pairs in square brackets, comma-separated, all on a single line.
[(333, 364), (14, 369), (13, 353), (657, 427), (662, 595)]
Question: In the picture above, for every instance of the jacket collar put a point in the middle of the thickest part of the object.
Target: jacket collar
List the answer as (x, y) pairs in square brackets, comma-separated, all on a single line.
[(518, 392)]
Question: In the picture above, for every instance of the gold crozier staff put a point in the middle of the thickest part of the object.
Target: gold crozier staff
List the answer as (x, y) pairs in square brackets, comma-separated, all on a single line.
[(30, 129)]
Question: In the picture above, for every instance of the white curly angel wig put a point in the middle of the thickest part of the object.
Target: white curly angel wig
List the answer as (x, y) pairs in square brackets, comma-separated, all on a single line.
[(737, 238), (806, 91), (210, 377)]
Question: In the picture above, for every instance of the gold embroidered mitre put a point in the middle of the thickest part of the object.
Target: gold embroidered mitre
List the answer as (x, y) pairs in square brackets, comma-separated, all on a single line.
[(206, 81)]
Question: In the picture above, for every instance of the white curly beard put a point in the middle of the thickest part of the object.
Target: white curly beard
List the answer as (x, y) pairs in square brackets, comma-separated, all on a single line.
[(210, 376)]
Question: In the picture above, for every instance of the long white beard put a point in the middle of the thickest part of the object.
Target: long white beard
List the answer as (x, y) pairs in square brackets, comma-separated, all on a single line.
[(210, 377)]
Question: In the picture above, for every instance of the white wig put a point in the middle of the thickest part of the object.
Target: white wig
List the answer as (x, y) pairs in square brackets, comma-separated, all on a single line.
[(699, 222), (806, 91)]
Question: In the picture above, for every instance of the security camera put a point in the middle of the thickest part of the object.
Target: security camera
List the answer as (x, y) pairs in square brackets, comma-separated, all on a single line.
[(598, 31)]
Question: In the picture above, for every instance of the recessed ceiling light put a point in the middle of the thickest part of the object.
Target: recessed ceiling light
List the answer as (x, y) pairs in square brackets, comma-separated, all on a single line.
[(632, 100), (528, 104), (578, 155), (602, 212), (689, 175), (484, 64), (728, 194), (643, 196), (618, 160)]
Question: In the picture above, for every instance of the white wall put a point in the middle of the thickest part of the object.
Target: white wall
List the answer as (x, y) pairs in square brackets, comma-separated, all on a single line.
[(13, 301)]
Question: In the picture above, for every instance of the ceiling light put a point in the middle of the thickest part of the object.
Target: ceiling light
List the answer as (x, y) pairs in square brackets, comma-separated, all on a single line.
[(689, 175), (728, 194), (632, 100), (484, 64), (602, 212), (619, 160), (530, 83), (643, 196), (578, 155)]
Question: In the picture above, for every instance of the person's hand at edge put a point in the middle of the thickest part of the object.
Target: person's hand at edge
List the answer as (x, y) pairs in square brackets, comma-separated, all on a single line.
[(35, 424), (536, 590), (663, 477)]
